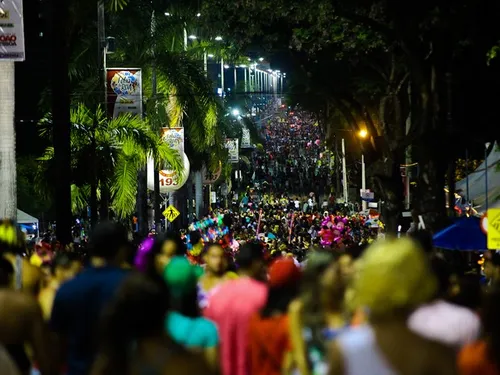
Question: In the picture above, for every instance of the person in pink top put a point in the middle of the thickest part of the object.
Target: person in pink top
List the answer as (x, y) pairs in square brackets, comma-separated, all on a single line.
[(234, 303)]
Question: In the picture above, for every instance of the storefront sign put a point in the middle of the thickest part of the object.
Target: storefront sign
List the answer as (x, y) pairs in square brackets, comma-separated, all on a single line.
[(11, 30)]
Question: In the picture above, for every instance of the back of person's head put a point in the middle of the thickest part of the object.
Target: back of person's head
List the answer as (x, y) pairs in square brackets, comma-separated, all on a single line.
[(108, 240), (424, 239), (393, 277), (248, 254), (12, 239), (180, 245), (6, 273), (442, 272)]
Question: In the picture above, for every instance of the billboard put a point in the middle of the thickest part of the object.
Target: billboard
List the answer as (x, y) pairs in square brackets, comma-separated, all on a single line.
[(232, 149), (11, 30), (124, 91)]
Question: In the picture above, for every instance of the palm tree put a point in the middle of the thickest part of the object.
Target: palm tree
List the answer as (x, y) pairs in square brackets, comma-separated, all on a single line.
[(121, 147)]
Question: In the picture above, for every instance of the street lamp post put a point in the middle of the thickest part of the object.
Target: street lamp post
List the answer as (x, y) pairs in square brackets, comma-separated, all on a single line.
[(363, 181), (344, 173)]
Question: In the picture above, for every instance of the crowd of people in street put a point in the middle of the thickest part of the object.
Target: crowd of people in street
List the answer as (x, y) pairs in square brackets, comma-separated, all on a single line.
[(395, 306), (285, 281)]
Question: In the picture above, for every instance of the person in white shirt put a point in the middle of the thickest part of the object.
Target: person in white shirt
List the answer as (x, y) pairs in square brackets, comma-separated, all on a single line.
[(442, 321)]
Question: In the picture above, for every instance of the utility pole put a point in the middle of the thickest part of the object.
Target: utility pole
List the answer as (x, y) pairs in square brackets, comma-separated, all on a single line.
[(363, 181), (344, 173)]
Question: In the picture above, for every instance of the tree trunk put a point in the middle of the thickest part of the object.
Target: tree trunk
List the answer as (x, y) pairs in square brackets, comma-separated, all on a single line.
[(104, 204), (61, 119), (8, 192), (198, 185), (142, 202)]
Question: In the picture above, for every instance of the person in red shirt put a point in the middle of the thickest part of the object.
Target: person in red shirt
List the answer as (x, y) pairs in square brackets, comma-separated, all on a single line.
[(269, 339)]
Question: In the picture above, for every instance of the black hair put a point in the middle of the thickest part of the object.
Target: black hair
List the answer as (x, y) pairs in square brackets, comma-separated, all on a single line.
[(278, 299), (107, 239), (495, 259), (424, 239), (137, 311), (248, 254), (157, 249), (442, 272), (62, 259), (6, 272), (194, 237)]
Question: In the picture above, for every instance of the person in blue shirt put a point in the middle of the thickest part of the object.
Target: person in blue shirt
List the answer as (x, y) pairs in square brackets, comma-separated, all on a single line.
[(79, 303)]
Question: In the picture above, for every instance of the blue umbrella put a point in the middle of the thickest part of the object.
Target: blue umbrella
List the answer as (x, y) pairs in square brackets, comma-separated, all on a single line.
[(464, 234)]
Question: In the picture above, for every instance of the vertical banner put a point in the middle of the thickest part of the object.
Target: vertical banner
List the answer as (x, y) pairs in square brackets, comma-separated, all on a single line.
[(232, 148), (11, 30), (171, 180), (245, 138), (124, 91), (174, 137)]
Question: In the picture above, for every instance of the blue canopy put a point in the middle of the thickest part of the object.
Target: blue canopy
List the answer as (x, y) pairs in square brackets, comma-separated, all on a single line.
[(465, 234)]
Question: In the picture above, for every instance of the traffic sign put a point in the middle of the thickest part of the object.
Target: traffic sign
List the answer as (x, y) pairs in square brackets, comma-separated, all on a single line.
[(171, 213), (493, 233)]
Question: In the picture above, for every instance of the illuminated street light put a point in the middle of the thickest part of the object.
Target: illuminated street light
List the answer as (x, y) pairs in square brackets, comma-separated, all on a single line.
[(167, 14), (198, 14), (218, 38), (226, 66), (192, 37), (363, 133), (235, 112), (261, 59)]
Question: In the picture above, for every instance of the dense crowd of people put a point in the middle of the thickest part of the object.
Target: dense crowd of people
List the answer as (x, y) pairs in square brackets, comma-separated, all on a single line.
[(285, 281), (394, 306)]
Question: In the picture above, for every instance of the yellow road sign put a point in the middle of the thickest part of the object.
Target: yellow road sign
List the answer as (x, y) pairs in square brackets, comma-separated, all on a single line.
[(493, 228), (171, 213)]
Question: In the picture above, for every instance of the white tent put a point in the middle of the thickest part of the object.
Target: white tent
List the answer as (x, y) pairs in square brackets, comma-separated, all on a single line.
[(24, 218), (477, 182)]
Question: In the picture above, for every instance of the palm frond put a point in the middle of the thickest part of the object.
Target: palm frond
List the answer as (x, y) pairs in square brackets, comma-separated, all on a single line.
[(124, 186), (79, 198)]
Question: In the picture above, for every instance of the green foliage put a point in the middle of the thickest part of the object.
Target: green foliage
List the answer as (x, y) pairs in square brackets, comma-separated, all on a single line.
[(115, 149)]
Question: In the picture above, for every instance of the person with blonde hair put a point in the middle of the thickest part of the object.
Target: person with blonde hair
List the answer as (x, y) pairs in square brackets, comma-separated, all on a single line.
[(393, 279)]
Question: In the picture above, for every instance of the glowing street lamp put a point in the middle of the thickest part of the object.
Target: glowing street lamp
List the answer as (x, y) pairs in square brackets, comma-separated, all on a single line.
[(192, 37), (218, 38), (261, 59), (235, 112), (363, 133)]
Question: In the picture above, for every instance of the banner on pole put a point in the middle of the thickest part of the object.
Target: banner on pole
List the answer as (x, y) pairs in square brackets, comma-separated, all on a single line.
[(124, 91), (169, 179), (232, 148), (174, 137), (245, 138), (11, 30)]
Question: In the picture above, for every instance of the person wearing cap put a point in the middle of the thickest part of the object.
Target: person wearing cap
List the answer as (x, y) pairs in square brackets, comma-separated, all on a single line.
[(79, 303), (232, 305), (183, 322), (269, 340)]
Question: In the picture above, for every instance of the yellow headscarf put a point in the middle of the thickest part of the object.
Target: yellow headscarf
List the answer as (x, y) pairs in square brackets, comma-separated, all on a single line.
[(393, 274)]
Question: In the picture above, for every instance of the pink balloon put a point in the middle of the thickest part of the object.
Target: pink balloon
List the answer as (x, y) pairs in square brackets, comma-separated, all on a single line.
[(317, 142), (309, 144)]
